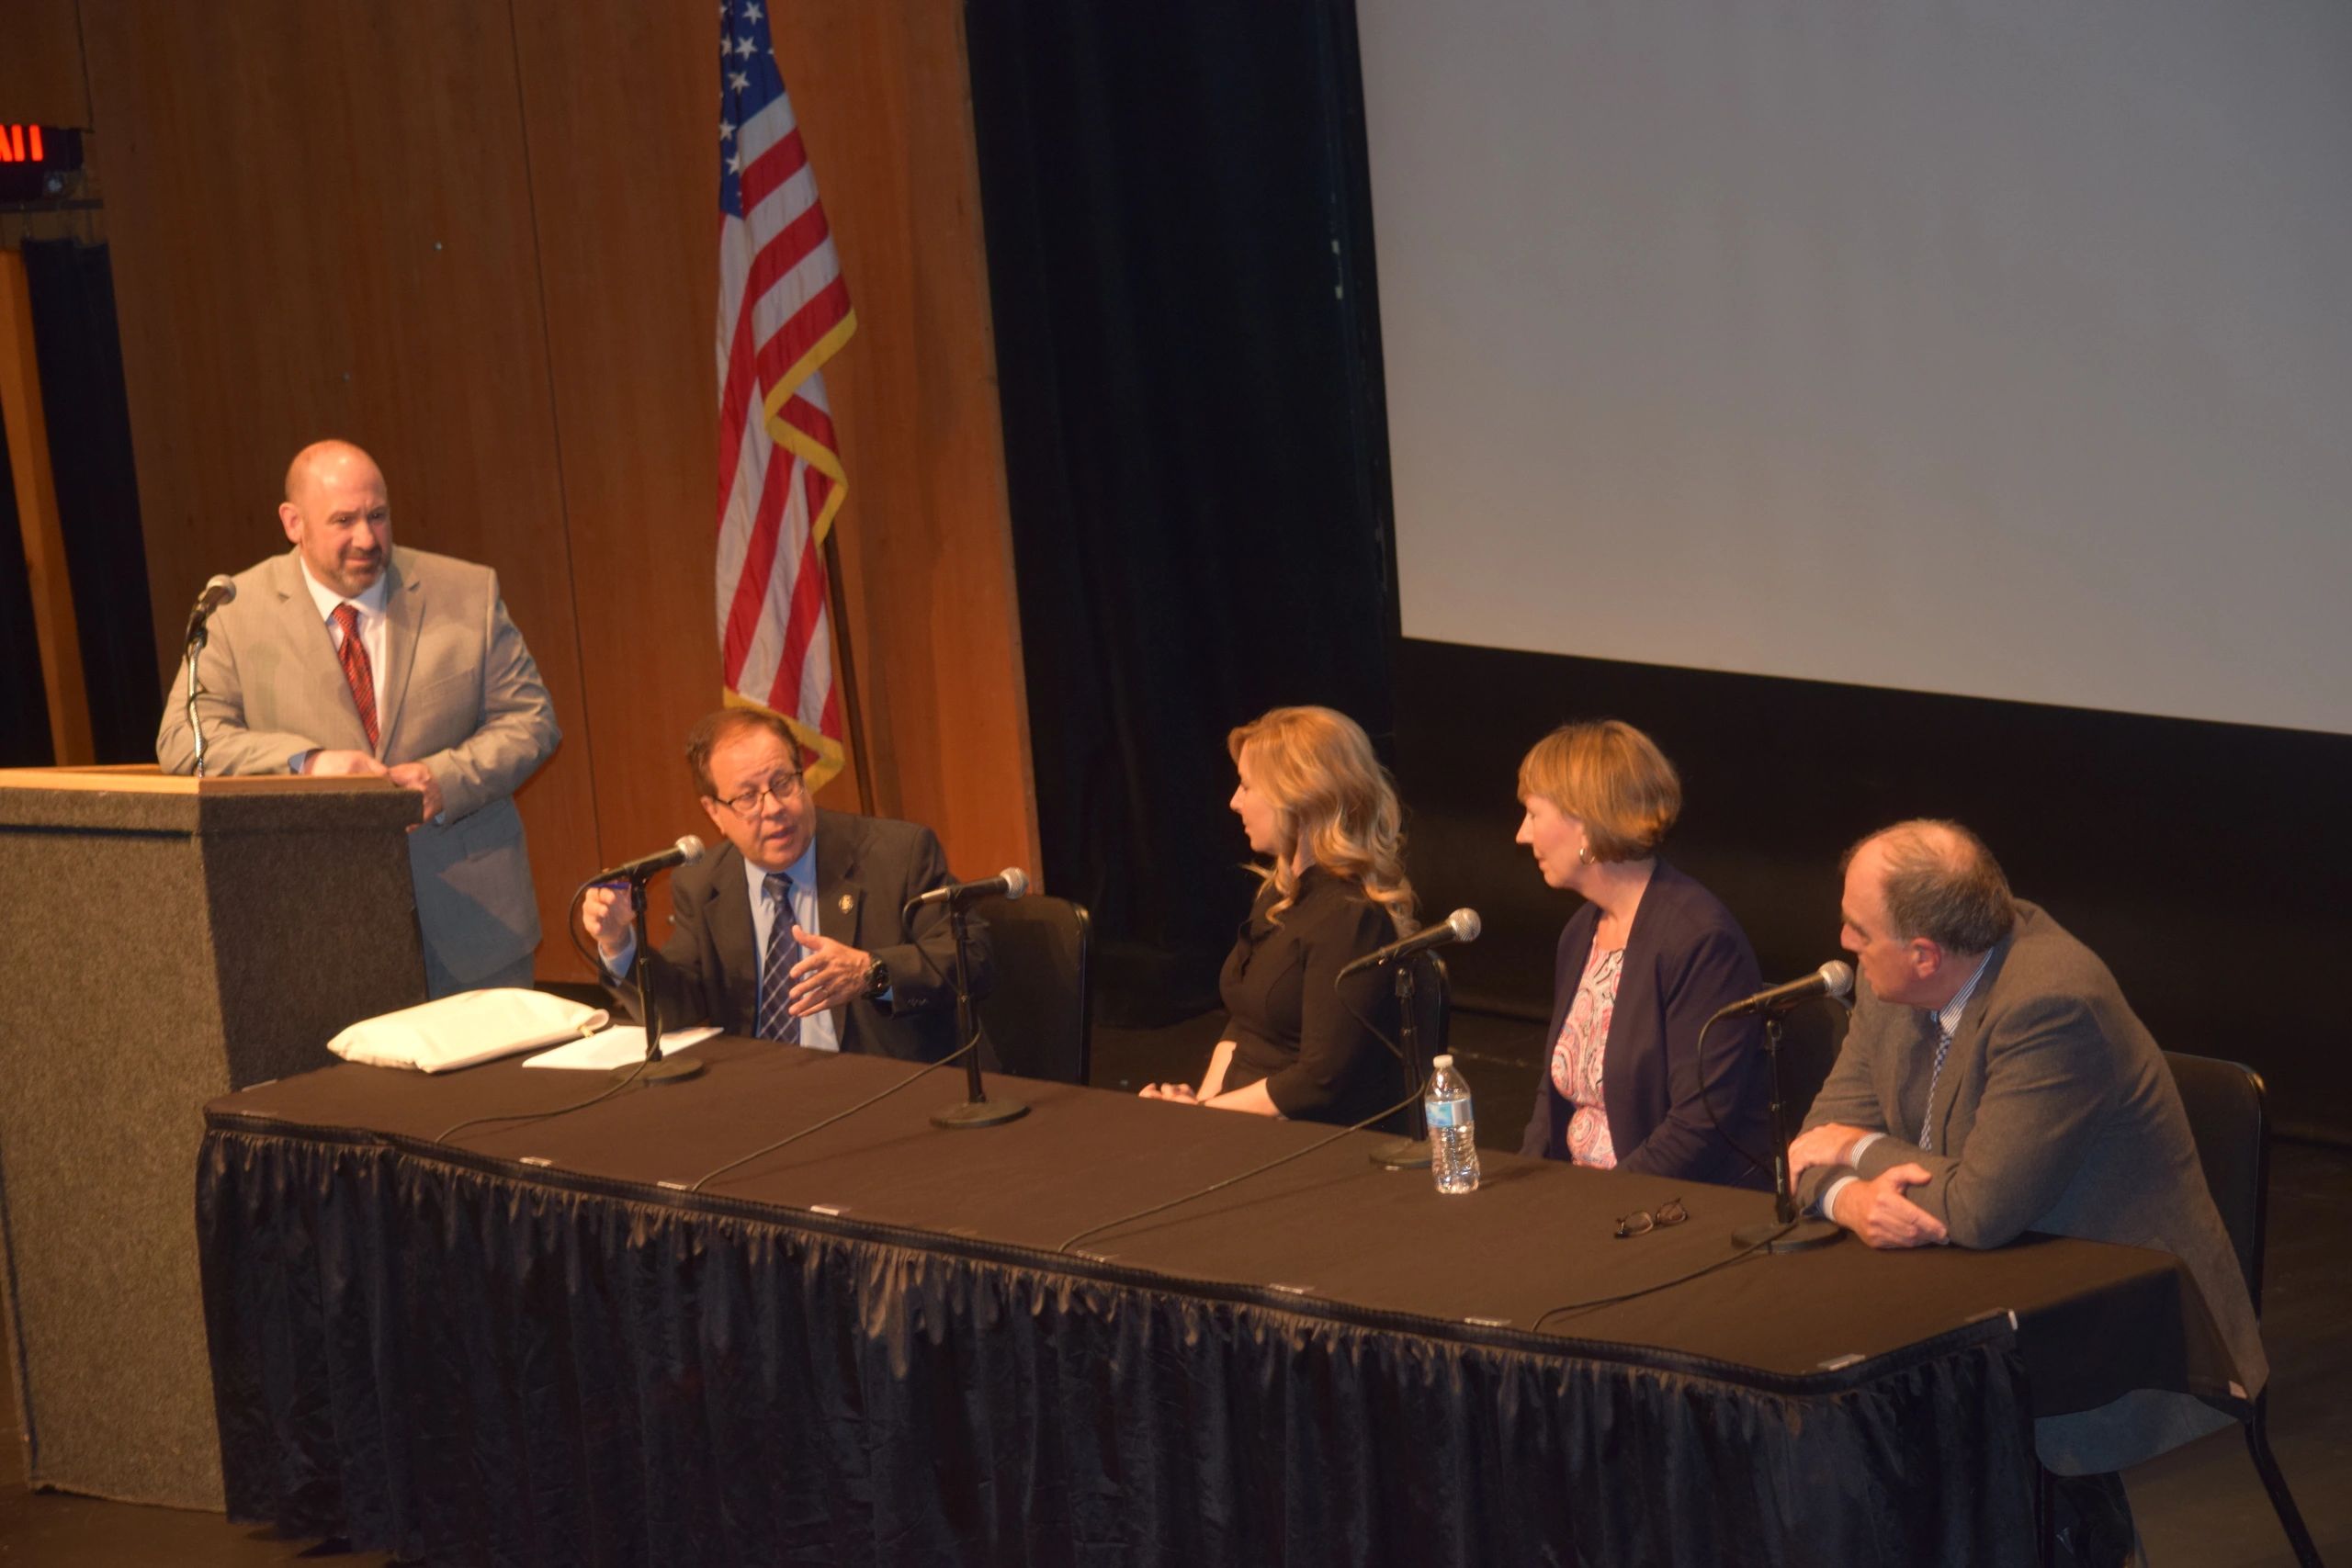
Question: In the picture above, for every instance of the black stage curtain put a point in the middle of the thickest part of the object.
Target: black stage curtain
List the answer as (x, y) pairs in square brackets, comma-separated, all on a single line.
[(437, 1360), (79, 348), (1179, 242), (24, 701)]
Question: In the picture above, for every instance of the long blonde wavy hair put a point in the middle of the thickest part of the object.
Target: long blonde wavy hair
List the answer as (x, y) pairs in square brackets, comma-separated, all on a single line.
[(1316, 767)]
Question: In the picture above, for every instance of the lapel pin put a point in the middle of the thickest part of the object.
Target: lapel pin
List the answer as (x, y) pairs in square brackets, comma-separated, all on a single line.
[(846, 902)]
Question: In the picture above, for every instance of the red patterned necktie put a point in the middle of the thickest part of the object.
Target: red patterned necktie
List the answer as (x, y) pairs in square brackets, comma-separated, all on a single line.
[(356, 670)]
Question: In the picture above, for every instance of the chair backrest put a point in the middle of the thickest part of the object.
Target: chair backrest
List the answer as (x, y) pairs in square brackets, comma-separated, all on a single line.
[(2232, 1127), (1433, 1018), (1810, 1036), (1040, 1017), (1434, 1005)]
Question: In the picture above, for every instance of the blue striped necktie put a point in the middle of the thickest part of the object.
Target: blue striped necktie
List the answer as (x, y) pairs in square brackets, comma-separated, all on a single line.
[(776, 1021), (1927, 1117)]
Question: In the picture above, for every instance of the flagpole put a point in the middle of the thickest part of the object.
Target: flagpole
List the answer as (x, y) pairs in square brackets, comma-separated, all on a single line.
[(845, 674)]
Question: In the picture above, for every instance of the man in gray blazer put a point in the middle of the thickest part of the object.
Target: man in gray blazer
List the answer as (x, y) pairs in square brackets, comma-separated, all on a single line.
[(346, 655), (1995, 1081)]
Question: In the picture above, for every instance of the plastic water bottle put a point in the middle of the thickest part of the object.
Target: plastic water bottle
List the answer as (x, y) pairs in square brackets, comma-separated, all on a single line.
[(1454, 1131)]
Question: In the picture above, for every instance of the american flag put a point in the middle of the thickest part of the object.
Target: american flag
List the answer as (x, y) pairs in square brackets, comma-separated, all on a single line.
[(783, 312)]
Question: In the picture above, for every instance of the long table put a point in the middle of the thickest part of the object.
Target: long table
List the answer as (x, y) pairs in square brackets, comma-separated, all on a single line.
[(537, 1342)]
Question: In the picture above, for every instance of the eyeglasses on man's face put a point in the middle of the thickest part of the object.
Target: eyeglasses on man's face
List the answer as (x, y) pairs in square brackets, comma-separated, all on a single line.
[(783, 789), (1641, 1222)]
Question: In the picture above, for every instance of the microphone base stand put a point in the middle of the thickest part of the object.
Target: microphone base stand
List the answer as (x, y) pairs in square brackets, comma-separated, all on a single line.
[(978, 1109), (1786, 1231), (656, 1067), (1407, 1154)]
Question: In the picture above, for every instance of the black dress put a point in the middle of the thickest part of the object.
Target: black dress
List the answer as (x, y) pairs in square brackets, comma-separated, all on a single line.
[(1291, 1026)]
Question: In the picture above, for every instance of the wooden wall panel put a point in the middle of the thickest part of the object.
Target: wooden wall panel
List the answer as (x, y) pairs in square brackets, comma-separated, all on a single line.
[(883, 94), (617, 95), (40, 63), (496, 268), (321, 219)]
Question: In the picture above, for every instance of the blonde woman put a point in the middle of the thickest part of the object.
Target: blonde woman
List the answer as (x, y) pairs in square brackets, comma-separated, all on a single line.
[(1642, 965), (1319, 807)]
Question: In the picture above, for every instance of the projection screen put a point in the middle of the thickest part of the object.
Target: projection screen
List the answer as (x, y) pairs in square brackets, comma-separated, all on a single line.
[(1994, 347)]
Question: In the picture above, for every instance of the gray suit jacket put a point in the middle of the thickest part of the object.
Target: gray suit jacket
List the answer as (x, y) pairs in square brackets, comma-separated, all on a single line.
[(2055, 1113), (461, 695), (868, 867)]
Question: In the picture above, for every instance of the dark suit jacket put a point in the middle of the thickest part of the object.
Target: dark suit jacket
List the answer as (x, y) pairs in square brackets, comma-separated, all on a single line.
[(2055, 1113), (1294, 1024), (868, 867), (1685, 958)]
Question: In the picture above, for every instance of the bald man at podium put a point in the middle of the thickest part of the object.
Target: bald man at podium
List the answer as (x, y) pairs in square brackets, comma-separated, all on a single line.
[(346, 655)]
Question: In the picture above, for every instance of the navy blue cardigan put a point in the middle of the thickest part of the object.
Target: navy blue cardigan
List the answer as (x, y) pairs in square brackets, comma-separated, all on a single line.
[(1685, 958)]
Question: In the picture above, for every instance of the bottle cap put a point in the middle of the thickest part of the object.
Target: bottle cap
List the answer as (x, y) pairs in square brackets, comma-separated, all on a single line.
[(1444, 1061)]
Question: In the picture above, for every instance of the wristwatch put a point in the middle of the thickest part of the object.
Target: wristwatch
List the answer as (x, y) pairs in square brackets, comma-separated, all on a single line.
[(877, 978)]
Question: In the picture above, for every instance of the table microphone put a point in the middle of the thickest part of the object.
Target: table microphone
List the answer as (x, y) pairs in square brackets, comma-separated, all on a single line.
[(1462, 925), (1832, 979), (686, 852), (1010, 883)]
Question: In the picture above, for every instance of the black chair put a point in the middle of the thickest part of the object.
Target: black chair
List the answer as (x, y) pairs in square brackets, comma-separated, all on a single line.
[(1812, 1033), (2228, 1119), (1040, 1017), (1432, 1017)]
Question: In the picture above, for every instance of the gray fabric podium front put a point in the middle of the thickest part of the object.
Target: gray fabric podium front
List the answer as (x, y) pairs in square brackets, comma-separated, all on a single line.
[(168, 941)]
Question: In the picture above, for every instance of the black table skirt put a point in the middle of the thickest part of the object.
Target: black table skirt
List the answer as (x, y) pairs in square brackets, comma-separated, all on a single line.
[(448, 1353)]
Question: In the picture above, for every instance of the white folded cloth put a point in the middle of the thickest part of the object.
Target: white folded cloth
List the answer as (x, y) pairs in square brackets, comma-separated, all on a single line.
[(472, 1026)]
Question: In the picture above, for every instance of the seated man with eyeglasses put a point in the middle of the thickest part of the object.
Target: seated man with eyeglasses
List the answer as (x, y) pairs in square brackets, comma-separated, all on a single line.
[(793, 931)]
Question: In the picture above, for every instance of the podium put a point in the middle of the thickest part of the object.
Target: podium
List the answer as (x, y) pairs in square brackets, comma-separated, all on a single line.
[(168, 941)]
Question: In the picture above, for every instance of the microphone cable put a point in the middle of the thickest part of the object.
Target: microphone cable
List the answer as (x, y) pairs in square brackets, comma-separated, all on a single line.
[(921, 1073), (1365, 1125), (595, 960), (1684, 1279), (571, 927), (443, 1136), (1706, 1100)]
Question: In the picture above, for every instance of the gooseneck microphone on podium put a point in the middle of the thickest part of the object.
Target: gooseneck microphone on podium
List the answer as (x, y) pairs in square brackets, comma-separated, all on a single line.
[(656, 1067), (978, 1109), (1462, 925), (216, 592), (1786, 1231)]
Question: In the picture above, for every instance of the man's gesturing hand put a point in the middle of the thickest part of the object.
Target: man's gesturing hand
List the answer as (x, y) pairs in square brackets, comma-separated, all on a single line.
[(833, 974), (607, 915)]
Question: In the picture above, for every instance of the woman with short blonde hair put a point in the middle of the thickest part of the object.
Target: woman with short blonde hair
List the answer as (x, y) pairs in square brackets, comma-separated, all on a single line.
[(1642, 967), (1299, 1042)]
